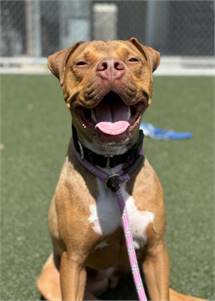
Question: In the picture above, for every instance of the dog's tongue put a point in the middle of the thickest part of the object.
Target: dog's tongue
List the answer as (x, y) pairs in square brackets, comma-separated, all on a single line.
[(112, 128), (112, 118)]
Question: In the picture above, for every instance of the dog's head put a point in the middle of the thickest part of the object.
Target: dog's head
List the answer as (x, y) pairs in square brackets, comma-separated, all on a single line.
[(107, 86)]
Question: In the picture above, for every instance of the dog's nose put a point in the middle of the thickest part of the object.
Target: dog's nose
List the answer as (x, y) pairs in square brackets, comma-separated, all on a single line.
[(110, 69)]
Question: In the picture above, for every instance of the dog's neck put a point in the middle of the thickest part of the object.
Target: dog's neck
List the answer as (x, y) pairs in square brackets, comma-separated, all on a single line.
[(108, 161)]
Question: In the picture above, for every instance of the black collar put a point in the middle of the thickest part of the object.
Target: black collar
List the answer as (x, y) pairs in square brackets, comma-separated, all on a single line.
[(128, 157)]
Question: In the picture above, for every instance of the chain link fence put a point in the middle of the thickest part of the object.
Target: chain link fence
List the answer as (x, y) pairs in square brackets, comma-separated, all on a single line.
[(36, 28)]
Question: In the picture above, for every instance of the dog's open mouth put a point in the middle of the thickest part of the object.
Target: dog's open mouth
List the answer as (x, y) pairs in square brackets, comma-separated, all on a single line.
[(111, 116)]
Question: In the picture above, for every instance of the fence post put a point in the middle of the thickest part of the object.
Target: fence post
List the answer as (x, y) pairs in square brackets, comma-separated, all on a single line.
[(75, 21), (33, 28)]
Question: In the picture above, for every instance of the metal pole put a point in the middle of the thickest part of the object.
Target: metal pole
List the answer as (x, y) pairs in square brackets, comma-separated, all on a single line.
[(150, 21), (37, 29), (28, 17), (1, 37)]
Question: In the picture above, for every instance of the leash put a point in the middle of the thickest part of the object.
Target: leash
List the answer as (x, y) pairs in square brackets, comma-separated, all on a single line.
[(114, 182)]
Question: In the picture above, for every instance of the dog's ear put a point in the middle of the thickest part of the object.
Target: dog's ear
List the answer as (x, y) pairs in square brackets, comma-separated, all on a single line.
[(58, 60), (150, 54)]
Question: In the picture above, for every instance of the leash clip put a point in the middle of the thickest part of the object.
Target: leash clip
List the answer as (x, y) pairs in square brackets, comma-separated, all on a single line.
[(113, 182)]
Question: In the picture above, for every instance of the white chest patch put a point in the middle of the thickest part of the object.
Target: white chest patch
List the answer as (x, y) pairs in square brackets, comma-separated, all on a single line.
[(105, 215)]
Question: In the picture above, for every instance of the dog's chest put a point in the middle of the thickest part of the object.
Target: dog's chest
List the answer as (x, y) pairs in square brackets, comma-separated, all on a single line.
[(105, 216)]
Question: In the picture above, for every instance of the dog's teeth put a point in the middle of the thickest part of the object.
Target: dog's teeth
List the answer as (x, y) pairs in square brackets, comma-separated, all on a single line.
[(93, 116), (129, 113)]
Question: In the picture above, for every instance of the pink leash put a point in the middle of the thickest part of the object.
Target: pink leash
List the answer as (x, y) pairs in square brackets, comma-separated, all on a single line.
[(113, 182), (130, 248)]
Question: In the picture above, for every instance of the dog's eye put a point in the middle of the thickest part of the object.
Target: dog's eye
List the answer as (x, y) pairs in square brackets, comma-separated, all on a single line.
[(133, 60), (81, 63)]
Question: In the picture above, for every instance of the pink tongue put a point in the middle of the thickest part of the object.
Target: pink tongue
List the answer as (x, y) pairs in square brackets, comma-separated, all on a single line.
[(112, 117), (113, 128)]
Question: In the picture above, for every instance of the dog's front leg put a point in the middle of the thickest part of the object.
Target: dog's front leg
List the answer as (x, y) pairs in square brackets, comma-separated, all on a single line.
[(72, 278), (156, 273)]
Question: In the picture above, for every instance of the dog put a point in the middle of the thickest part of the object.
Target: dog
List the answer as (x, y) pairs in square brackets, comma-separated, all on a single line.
[(107, 85)]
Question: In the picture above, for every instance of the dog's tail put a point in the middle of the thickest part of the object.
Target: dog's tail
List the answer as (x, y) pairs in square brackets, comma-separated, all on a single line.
[(175, 296)]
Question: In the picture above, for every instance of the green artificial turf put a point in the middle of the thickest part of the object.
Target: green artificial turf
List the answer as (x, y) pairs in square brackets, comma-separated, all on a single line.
[(35, 133)]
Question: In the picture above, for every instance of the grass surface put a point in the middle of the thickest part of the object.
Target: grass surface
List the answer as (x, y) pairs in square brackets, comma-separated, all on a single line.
[(36, 131)]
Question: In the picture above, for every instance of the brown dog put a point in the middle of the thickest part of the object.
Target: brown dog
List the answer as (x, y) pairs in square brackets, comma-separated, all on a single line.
[(107, 86)]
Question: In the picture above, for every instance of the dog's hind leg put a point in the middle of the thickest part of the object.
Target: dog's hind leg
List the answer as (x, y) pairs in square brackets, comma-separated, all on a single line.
[(48, 282), (175, 296)]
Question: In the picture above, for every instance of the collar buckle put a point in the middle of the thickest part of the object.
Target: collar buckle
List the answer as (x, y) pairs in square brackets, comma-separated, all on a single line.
[(81, 150), (108, 161)]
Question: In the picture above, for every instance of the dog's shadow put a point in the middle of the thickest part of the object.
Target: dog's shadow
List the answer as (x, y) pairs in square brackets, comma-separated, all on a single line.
[(125, 290)]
